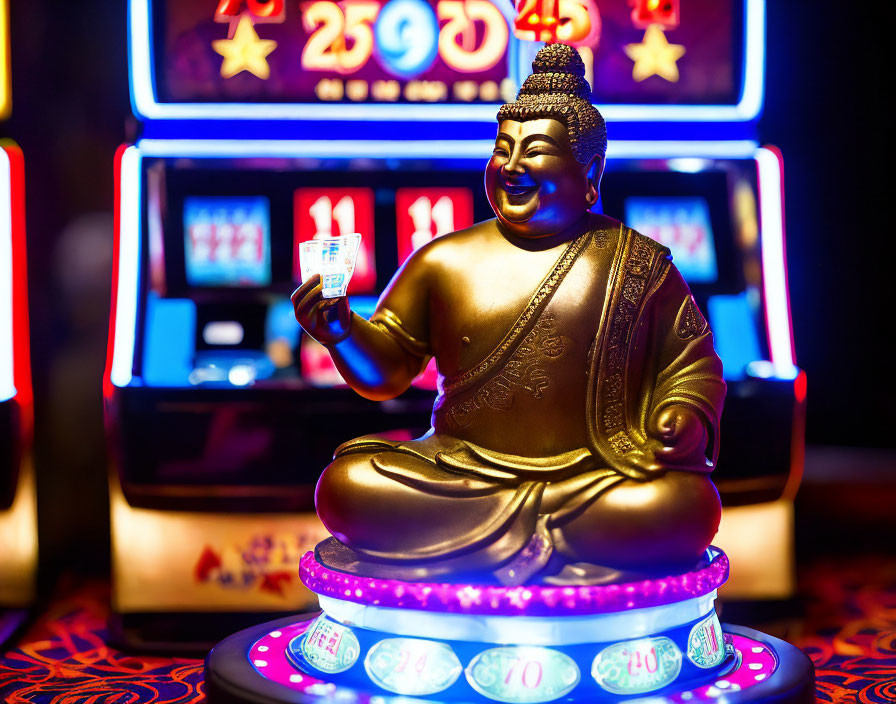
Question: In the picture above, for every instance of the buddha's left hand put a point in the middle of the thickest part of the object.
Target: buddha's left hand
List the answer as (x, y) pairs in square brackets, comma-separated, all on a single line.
[(682, 434)]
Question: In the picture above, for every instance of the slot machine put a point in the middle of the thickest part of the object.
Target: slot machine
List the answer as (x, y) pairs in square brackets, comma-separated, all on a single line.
[(18, 504), (264, 124)]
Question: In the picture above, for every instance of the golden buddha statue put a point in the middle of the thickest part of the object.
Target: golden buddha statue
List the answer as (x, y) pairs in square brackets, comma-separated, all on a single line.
[(577, 418)]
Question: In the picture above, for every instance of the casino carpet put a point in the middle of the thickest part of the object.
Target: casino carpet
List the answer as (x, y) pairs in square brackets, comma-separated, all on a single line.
[(849, 630), (63, 659)]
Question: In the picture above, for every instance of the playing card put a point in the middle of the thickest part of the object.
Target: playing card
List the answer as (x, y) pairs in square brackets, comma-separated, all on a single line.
[(309, 259), (333, 258)]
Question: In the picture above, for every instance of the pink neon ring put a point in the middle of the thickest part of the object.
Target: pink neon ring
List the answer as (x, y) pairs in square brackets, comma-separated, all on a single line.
[(527, 600)]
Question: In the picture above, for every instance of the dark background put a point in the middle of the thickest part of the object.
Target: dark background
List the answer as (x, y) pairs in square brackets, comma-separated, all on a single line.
[(827, 68)]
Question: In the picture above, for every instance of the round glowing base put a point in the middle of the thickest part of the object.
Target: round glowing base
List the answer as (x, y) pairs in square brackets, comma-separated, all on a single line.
[(383, 640)]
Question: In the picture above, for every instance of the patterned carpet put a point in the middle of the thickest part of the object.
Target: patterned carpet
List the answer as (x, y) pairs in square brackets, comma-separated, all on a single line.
[(63, 659), (849, 631)]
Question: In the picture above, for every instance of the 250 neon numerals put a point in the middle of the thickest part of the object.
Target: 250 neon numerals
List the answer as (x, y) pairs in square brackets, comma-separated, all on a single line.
[(344, 36)]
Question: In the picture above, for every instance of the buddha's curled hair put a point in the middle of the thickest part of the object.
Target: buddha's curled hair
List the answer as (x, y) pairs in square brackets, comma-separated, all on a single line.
[(557, 89)]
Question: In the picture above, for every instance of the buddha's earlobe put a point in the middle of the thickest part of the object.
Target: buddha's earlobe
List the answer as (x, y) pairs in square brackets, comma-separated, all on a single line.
[(593, 173), (590, 198)]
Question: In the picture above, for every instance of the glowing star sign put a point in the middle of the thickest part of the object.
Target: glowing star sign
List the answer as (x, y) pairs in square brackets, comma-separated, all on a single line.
[(245, 52), (654, 56)]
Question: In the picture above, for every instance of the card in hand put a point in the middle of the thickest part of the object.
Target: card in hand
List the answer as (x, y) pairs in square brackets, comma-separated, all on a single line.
[(333, 258)]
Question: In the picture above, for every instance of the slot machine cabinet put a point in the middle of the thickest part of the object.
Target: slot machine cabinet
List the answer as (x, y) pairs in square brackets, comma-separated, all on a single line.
[(219, 365), (222, 415), (18, 502)]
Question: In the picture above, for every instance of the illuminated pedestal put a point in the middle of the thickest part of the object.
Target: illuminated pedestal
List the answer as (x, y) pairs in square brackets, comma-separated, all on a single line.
[(378, 640)]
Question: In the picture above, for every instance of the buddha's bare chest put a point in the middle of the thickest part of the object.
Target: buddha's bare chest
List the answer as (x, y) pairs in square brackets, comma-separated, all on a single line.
[(474, 309)]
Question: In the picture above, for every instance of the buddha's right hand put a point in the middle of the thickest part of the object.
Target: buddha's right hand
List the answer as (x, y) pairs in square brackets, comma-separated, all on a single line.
[(327, 320)]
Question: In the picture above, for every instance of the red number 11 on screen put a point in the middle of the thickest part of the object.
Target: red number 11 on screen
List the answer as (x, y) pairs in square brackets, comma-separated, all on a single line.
[(330, 212), (422, 214)]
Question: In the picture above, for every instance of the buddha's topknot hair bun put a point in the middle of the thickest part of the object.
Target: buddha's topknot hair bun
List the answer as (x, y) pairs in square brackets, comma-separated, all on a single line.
[(557, 89), (558, 58)]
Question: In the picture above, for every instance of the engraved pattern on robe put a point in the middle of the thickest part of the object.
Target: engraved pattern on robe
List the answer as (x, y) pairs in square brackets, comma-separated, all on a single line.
[(639, 363)]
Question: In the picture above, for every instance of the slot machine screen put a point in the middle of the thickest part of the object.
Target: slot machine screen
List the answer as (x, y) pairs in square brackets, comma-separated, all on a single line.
[(227, 241), (682, 223)]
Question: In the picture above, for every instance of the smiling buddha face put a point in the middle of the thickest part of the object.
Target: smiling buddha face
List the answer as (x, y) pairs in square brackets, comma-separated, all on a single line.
[(545, 170)]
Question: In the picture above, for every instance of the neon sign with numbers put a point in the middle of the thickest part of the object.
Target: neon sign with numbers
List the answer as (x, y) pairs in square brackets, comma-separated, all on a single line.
[(354, 51), (441, 60), (575, 22)]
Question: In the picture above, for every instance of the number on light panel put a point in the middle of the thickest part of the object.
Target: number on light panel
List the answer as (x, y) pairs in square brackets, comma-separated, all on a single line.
[(324, 214), (425, 214), (259, 9), (341, 40), (457, 39)]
